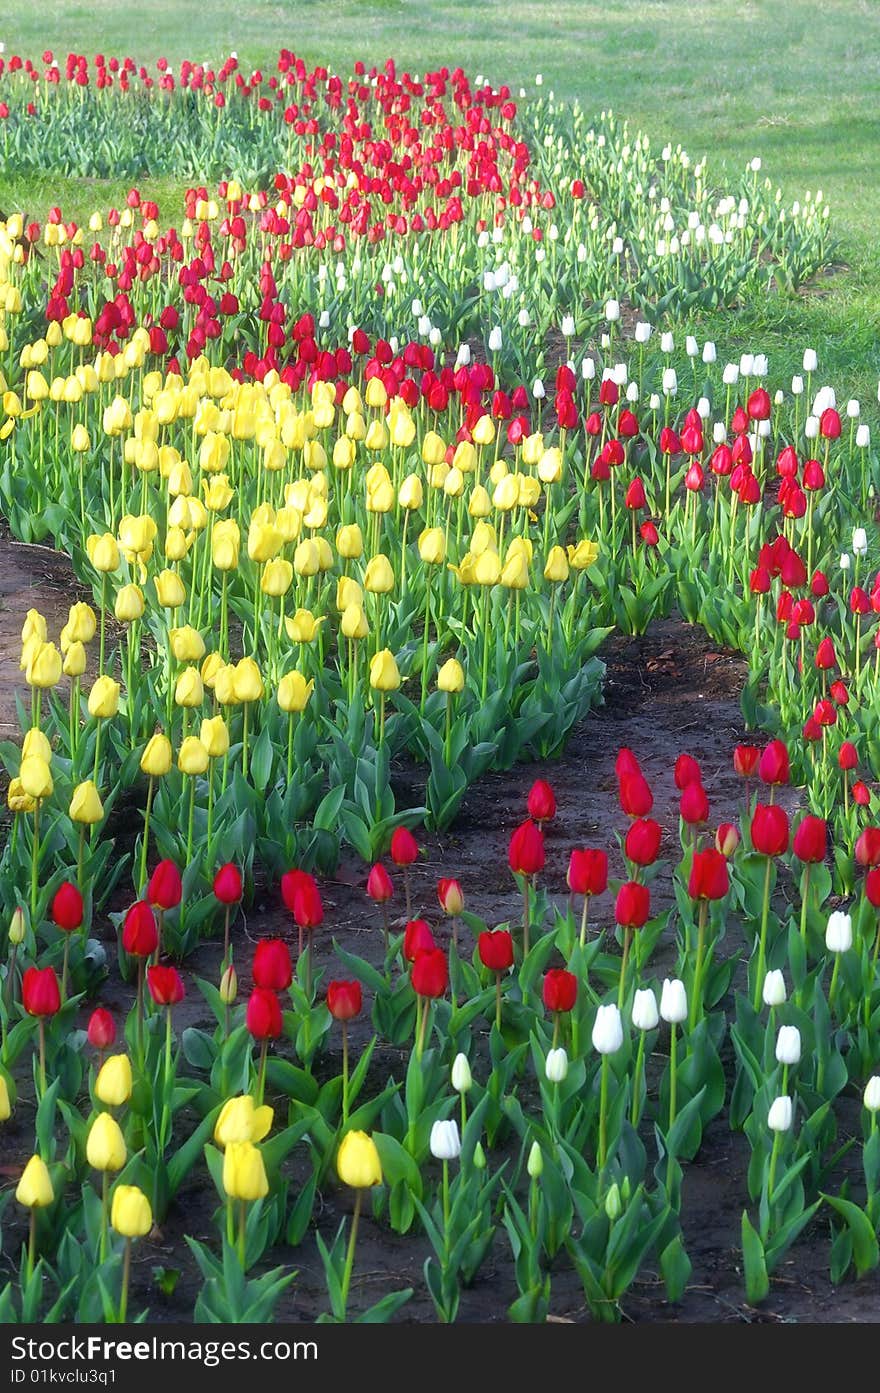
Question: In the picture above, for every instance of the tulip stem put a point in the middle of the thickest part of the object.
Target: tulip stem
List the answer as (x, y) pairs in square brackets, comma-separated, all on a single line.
[(64, 967), (696, 992), (621, 989), (35, 860), (771, 1182), (226, 938), (497, 1000), (32, 1242), (242, 1233), (261, 1075), (103, 622), (192, 809), (762, 945), (344, 1073), (423, 1027), (140, 1011), (603, 1115), (673, 1101), (349, 1257), (834, 975), (584, 918), (41, 1028), (636, 1108), (525, 916), (143, 875), (105, 1209)]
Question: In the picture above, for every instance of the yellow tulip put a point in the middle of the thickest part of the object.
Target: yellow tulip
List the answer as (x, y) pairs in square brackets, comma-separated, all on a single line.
[(34, 1189), (157, 756), (187, 644), (550, 466), (506, 493), (353, 622), (432, 546), (348, 592), (582, 555), (303, 627), (36, 778), (384, 672), (433, 449), (376, 437), (450, 678), (5, 1104), (411, 494), (264, 541), (484, 431), (114, 1082), (357, 1162), (294, 691), (487, 570), (104, 699), (465, 457), (247, 682), (453, 482), (170, 589), (214, 735), (129, 604), (241, 1120), (130, 1212), (479, 503), (176, 544), (218, 493), (306, 558), (379, 576), (376, 395), (81, 623), (17, 800), (44, 668), (556, 567), (85, 804), (244, 1174), (105, 1145), (277, 577), (192, 757), (225, 545), (36, 745), (350, 542), (515, 572), (34, 627), (189, 690)]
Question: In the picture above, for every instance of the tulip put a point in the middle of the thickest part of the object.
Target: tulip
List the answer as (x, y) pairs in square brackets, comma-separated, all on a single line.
[(417, 938), (559, 993), (462, 1079), (449, 894), (445, 1141), (101, 1030), (636, 799), (34, 1191), (357, 1161), (773, 766), (871, 1099), (241, 1120), (556, 1065), (105, 1145), (114, 1082), (780, 1115), (263, 1018), (165, 985), (788, 1045), (774, 993), (228, 889), (587, 875), (541, 802), (272, 968), (642, 843)]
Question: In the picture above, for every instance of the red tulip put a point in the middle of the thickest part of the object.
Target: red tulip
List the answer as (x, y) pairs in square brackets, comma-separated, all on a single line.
[(770, 829), (496, 950), (642, 843), (101, 1029), (626, 763), (165, 889), (40, 993), (305, 901), (560, 989), (379, 885), (861, 794), (588, 872), (263, 1018), (430, 973), (417, 938), (344, 1000), (810, 842), (166, 985), (272, 969), (404, 847), (541, 801), (67, 907), (649, 534), (829, 424), (449, 893), (773, 766), (140, 937), (526, 852), (687, 771), (847, 757), (825, 655), (634, 498), (694, 804), (709, 878), (872, 886), (636, 798), (745, 760), (632, 908), (867, 851), (758, 405), (227, 884), (839, 692)]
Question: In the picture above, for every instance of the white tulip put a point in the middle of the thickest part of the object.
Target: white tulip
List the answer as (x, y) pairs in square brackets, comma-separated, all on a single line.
[(788, 1045), (719, 433), (645, 1015), (538, 389), (872, 1094), (445, 1141), (556, 1065), (709, 352), (690, 346), (780, 1114), (844, 560), (670, 382), (567, 326), (667, 342), (860, 541), (811, 427), (673, 1001), (495, 340), (642, 332), (730, 376), (607, 1030), (612, 311), (588, 369), (811, 360), (797, 386), (863, 436), (853, 409), (838, 934), (462, 1080), (774, 992)]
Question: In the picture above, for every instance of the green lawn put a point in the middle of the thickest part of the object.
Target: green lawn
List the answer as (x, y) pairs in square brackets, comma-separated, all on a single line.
[(790, 82)]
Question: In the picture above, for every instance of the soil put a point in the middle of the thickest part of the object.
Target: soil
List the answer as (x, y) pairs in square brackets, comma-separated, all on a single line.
[(670, 691)]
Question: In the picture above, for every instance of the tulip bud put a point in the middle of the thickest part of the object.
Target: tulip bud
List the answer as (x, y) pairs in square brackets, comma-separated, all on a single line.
[(773, 991), (838, 934), (357, 1162), (114, 1083), (779, 1118), (479, 1157), (34, 1189), (645, 1015), (535, 1162), (105, 1146), (17, 927), (613, 1203), (872, 1094), (607, 1030), (445, 1142), (673, 1001), (462, 1079), (130, 1212), (244, 1173), (556, 1065), (788, 1045)]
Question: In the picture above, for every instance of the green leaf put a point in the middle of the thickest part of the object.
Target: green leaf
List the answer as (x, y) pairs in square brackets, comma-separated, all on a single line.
[(864, 1240), (757, 1281)]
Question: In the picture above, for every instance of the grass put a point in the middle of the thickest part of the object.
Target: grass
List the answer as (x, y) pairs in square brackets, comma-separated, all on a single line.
[(793, 83)]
